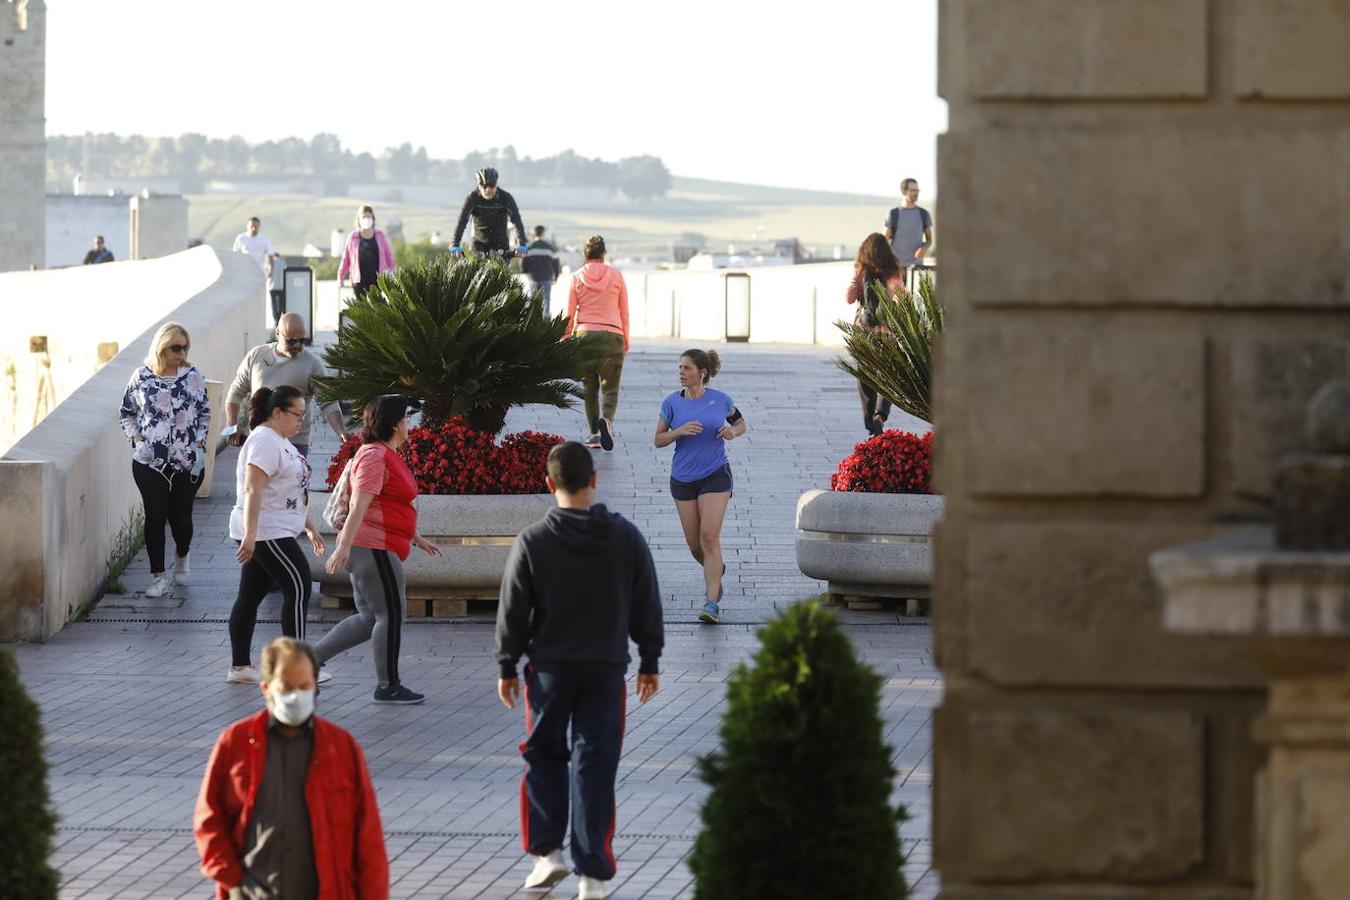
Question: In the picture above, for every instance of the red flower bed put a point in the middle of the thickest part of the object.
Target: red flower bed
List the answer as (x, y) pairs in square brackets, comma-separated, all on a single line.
[(455, 459), (893, 462)]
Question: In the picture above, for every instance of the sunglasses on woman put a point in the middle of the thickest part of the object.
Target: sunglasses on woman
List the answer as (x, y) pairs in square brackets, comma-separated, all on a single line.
[(179, 348)]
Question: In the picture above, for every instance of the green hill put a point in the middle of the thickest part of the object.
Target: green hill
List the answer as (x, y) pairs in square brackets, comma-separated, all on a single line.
[(721, 212)]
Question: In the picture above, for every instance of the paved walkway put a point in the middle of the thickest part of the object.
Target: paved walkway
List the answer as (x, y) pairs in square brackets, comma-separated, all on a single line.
[(133, 698)]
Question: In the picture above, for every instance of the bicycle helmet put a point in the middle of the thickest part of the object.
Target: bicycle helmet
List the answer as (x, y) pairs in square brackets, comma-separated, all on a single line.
[(487, 177)]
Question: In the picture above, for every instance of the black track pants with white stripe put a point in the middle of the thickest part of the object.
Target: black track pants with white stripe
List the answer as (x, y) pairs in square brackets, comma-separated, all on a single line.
[(276, 565)]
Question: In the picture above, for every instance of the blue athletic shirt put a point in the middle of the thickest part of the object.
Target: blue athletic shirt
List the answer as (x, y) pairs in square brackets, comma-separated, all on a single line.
[(698, 455)]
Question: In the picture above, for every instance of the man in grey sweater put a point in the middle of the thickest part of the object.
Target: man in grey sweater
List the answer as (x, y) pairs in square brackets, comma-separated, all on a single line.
[(577, 586), (287, 361)]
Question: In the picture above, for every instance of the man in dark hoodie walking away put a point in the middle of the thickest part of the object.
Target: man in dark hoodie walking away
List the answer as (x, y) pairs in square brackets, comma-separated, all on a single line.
[(541, 264), (578, 584)]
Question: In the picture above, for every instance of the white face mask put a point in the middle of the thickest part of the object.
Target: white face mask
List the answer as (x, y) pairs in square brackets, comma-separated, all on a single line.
[(293, 707), (367, 222)]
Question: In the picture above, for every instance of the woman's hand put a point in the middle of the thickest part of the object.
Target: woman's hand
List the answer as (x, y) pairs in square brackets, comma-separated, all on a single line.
[(245, 552), (315, 540), (422, 543), (338, 560), (727, 433), (689, 429)]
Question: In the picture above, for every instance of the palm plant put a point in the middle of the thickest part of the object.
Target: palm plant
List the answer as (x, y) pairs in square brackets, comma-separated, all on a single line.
[(457, 338), (897, 358)]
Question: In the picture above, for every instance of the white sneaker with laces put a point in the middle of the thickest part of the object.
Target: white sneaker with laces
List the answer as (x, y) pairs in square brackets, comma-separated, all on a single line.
[(246, 675), (547, 871), (325, 676), (180, 570), (589, 888), (158, 585)]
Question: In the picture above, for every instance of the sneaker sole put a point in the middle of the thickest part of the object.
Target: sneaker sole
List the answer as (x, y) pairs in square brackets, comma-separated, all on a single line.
[(555, 878), (401, 702), (708, 618), (606, 435)]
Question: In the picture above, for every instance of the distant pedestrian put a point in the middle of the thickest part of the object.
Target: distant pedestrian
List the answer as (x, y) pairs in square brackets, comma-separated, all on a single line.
[(577, 586), (380, 530), (492, 210), (284, 361), (286, 807), (100, 253), (259, 247), (541, 264), (876, 267), (909, 227), (166, 416), (598, 302), (270, 509), (368, 253), (699, 421)]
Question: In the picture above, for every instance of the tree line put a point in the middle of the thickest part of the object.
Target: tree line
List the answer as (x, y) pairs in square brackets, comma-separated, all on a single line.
[(193, 158)]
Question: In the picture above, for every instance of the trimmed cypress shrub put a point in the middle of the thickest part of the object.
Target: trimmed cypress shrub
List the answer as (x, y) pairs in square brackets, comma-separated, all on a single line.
[(27, 823), (800, 801)]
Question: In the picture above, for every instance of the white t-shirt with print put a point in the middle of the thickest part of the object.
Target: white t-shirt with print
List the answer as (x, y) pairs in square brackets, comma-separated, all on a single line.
[(284, 496)]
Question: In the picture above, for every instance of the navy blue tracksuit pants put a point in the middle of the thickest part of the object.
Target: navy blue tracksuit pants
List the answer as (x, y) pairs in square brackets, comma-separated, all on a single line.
[(593, 702)]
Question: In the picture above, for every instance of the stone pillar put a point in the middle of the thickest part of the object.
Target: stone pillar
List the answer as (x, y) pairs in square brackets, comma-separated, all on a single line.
[(23, 136), (1145, 223), (158, 225)]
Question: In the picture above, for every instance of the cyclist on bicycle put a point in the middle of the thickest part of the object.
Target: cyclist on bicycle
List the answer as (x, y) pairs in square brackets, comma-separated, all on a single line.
[(491, 209)]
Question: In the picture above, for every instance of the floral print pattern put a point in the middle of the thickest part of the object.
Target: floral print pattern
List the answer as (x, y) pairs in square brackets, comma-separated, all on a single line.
[(166, 421)]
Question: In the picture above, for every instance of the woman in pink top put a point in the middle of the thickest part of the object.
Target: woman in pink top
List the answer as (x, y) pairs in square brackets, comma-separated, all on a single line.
[(381, 527), (876, 265), (598, 302), (368, 253)]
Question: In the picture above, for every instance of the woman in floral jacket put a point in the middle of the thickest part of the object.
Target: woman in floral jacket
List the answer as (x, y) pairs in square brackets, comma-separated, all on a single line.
[(165, 414)]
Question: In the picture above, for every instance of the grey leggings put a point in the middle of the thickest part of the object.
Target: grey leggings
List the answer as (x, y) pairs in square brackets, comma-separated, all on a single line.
[(378, 589)]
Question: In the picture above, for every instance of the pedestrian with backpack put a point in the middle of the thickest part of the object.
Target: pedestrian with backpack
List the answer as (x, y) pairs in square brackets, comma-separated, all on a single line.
[(375, 537), (909, 227), (876, 269)]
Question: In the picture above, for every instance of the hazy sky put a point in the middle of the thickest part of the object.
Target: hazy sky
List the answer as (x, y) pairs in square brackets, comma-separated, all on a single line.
[(843, 98)]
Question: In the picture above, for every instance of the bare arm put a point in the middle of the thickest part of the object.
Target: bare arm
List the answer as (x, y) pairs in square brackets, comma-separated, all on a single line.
[(254, 483), (356, 512), (665, 435)]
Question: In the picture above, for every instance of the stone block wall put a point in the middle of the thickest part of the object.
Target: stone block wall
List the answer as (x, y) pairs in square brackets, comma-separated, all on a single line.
[(23, 136), (1146, 266)]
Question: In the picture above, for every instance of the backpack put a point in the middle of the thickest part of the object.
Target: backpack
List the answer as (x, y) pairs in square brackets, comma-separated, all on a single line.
[(340, 501), (867, 304)]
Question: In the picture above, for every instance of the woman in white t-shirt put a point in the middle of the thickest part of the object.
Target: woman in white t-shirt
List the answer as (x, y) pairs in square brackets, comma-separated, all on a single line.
[(270, 509)]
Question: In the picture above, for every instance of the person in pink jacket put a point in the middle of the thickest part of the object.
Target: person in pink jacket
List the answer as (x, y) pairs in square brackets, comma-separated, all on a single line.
[(598, 302), (368, 253)]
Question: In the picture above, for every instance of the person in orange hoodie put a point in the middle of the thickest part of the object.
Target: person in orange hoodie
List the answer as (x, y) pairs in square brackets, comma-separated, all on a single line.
[(598, 302)]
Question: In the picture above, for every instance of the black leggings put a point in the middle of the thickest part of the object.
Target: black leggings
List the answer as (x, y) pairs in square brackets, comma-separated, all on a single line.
[(874, 406), (278, 564), (168, 500)]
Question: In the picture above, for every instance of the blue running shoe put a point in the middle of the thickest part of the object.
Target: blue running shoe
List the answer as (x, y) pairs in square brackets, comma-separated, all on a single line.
[(710, 613)]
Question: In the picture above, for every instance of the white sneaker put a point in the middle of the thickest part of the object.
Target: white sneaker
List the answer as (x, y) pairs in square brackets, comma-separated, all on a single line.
[(158, 585), (180, 570), (547, 871), (246, 675), (325, 676), (589, 888)]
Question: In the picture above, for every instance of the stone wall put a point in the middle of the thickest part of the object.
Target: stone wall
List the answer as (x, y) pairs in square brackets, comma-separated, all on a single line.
[(158, 225), (23, 138), (1145, 250)]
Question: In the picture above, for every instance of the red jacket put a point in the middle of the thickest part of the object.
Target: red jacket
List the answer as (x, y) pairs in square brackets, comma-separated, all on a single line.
[(344, 816)]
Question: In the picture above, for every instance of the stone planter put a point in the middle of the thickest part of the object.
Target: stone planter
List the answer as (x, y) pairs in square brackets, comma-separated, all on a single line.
[(868, 545), (475, 533)]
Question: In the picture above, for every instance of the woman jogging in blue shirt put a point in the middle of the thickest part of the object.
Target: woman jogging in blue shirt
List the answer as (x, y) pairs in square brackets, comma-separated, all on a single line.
[(699, 420)]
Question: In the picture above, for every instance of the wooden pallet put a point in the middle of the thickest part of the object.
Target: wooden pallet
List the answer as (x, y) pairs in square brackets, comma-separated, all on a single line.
[(438, 608)]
